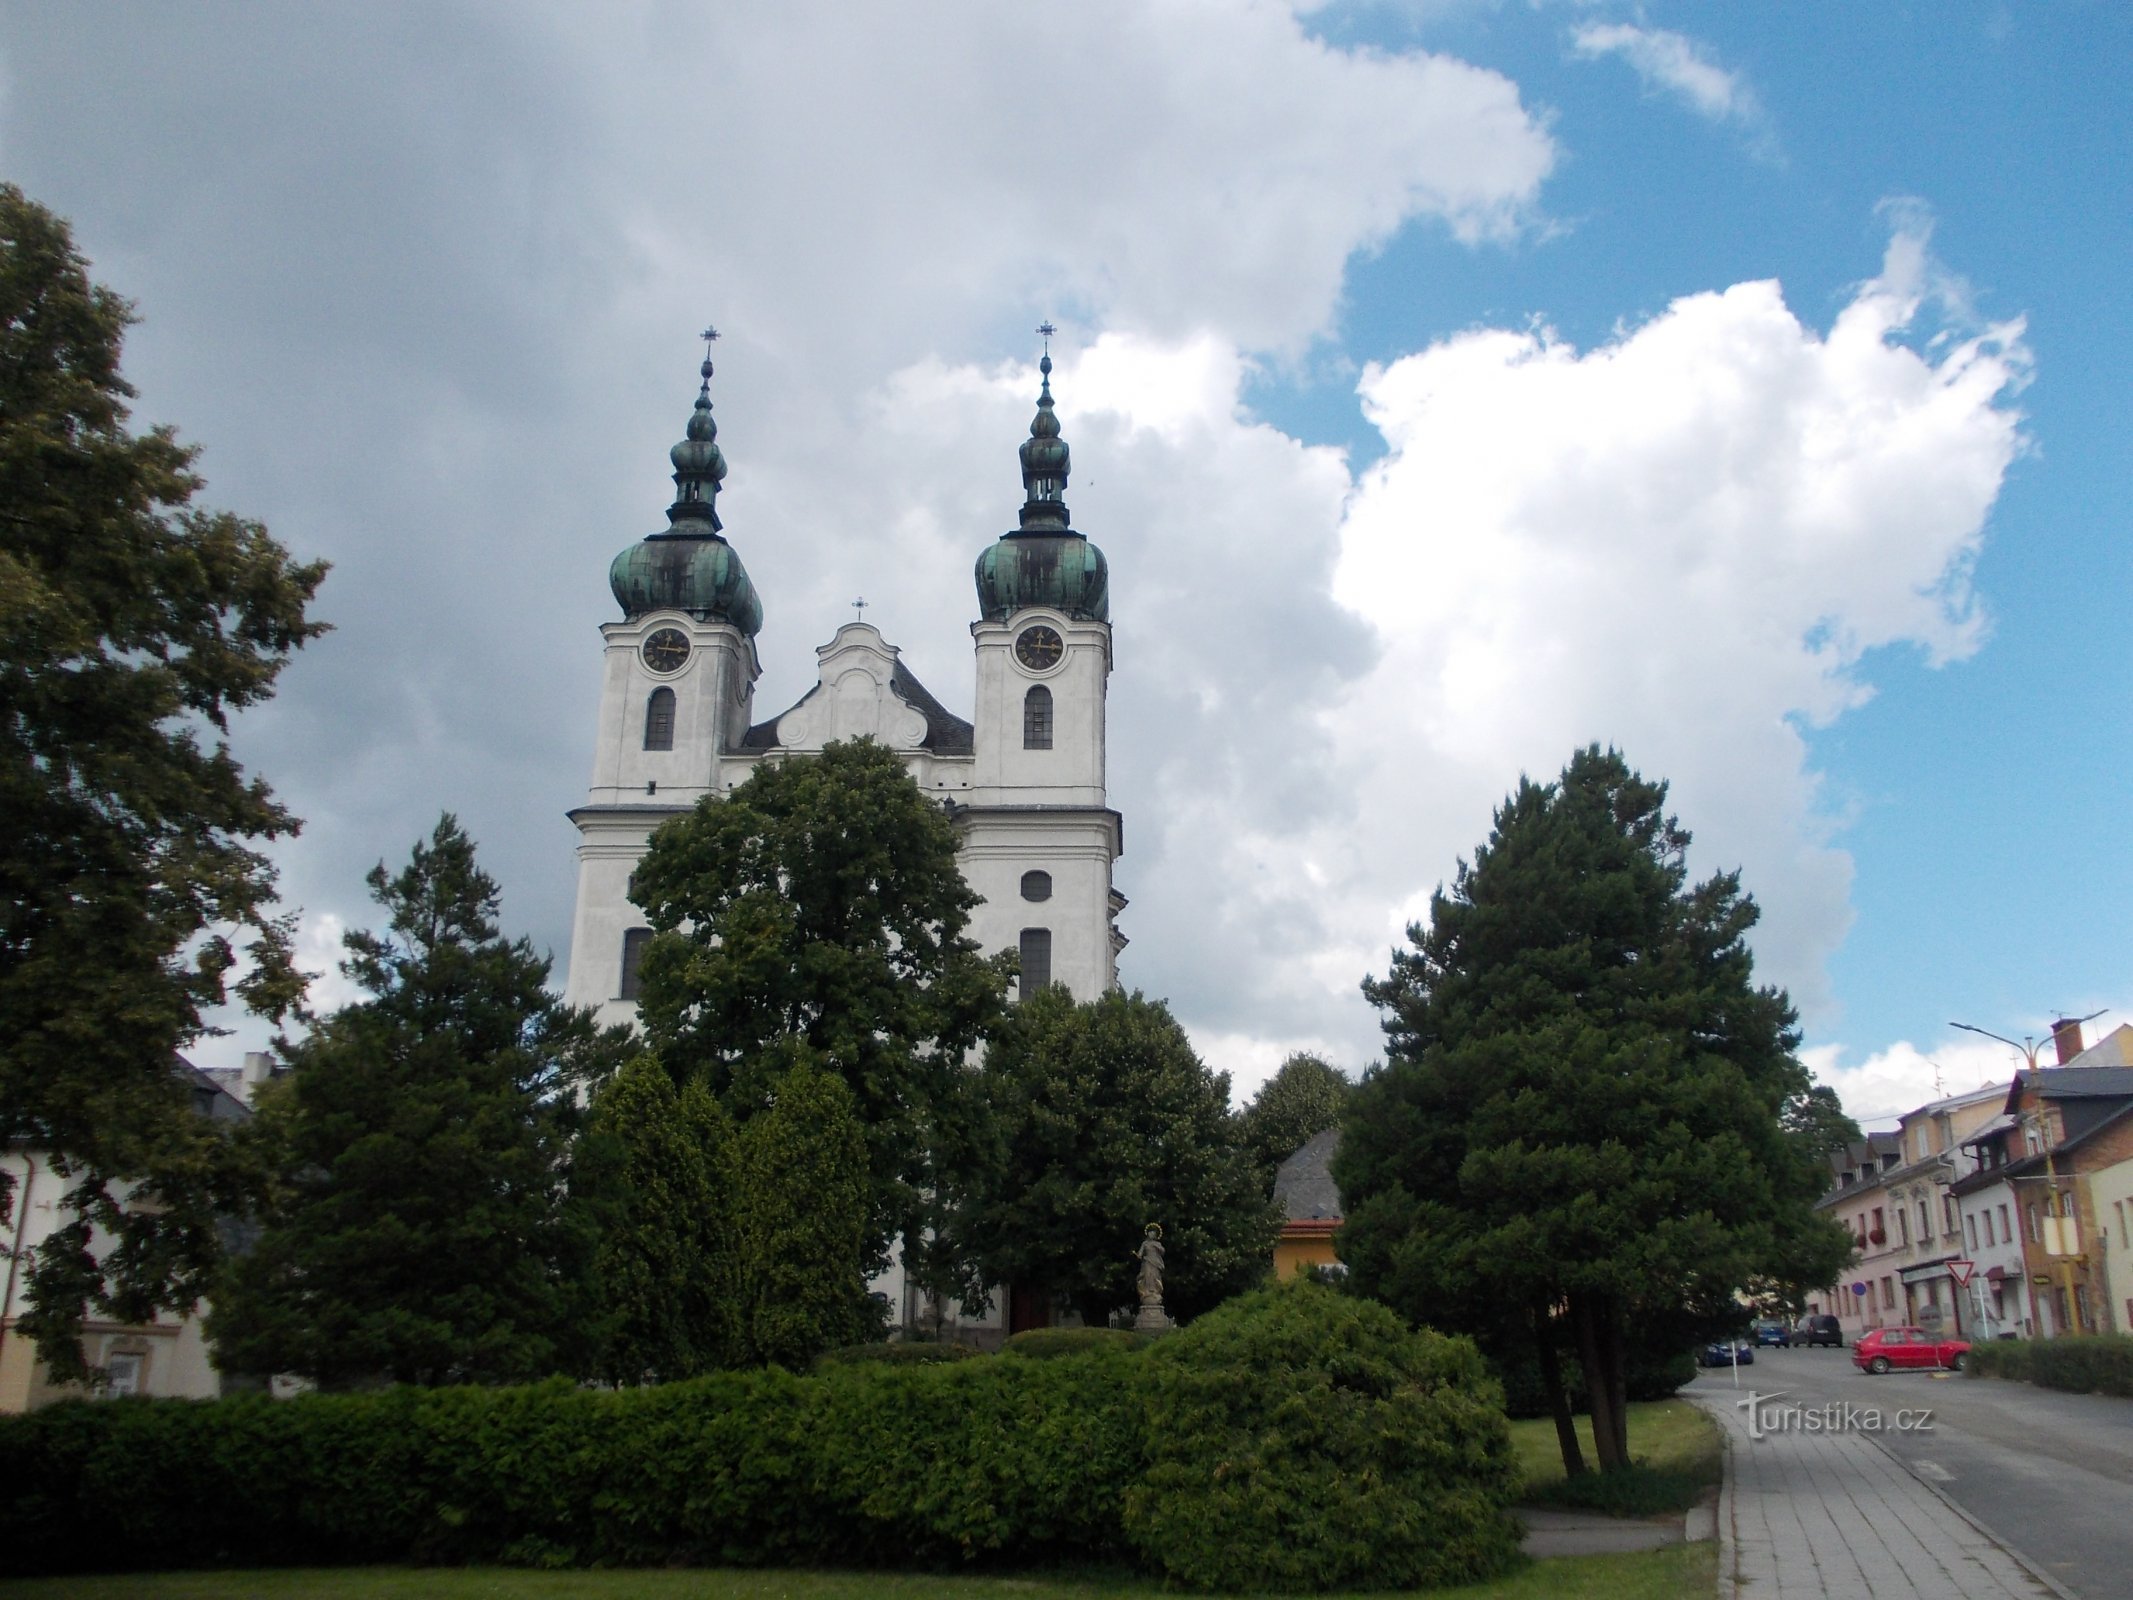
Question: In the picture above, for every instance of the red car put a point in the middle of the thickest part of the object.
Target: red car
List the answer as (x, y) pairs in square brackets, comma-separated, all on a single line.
[(1885, 1348)]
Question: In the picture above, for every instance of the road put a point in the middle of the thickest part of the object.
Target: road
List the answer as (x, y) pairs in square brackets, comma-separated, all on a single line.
[(2050, 1474)]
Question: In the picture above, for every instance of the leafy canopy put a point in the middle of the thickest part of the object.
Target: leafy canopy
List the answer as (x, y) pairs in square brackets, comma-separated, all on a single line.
[(420, 1228), (820, 904), (131, 626), (1099, 1119), (1302, 1100)]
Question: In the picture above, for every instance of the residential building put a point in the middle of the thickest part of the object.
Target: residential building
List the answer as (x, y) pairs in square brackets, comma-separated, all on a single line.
[(1310, 1203), (166, 1357), (1924, 1217), (1868, 1295)]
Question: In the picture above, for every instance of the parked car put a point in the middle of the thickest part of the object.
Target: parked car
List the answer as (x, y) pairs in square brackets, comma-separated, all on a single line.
[(1726, 1353), (1886, 1349), (1822, 1329), (1772, 1332)]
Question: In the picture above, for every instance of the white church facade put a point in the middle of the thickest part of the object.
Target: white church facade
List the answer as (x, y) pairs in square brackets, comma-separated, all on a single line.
[(1023, 778)]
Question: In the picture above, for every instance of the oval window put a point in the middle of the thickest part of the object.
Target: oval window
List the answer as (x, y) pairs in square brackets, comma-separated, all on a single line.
[(1036, 886)]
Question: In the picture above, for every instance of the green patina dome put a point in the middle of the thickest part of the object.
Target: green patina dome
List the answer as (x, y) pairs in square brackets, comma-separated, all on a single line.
[(690, 567), (1044, 562)]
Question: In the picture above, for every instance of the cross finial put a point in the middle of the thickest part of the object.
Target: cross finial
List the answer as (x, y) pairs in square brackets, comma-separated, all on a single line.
[(708, 335), (1045, 327), (859, 607)]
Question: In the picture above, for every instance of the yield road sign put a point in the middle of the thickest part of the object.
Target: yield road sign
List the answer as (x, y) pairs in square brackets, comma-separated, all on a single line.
[(1960, 1271)]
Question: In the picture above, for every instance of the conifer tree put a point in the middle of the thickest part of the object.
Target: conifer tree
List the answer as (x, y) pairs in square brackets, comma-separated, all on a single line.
[(659, 1174), (132, 625), (803, 1206), (1580, 1126), (1100, 1119), (420, 1230)]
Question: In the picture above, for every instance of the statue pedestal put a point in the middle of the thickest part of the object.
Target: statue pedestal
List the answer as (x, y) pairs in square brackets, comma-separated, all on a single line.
[(1151, 1318)]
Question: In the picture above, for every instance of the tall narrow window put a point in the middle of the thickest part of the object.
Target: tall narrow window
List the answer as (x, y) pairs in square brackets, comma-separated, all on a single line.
[(1037, 719), (659, 720), (1036, 960), (633, 943)]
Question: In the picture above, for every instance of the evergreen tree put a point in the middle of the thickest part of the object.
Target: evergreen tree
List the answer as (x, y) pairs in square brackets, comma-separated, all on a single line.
[(1579, 1129), (420, 1231), (820, 904), (131, 626), (1303, 1099), (803, 1205), (1100, 1120), (659, 1173)]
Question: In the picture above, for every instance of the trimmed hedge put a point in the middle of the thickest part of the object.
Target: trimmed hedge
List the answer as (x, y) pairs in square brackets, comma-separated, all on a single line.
[(2089, 1364), (1297, 1439), (1042, 1343), (896, 1353)]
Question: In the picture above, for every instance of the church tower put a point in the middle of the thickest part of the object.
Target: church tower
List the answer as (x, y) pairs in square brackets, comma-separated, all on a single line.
[(677, 694), (1039, 839)]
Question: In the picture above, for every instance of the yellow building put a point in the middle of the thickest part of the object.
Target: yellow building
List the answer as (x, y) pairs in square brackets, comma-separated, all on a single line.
[(1310, 1207)]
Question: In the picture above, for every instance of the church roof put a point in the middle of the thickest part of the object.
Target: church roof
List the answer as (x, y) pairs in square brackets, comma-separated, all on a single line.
[(1304, 1186), (946, 733)]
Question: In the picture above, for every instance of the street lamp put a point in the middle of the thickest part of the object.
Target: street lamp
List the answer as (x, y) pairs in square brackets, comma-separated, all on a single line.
[(2062, 1232)]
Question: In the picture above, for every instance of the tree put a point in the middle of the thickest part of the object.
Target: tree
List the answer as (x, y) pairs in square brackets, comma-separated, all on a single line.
[(1579, 1129), (660, 1174), (1303, 1099), (804, 1203), (131, 890), (420, 1230), (1099, 1120), (820, 904)]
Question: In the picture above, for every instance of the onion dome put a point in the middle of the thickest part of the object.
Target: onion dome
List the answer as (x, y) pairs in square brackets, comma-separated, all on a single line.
[(690, 567), (1044, 562)]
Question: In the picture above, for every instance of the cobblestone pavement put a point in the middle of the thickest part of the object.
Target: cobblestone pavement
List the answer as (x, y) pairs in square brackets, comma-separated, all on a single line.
[(1833, 1514)]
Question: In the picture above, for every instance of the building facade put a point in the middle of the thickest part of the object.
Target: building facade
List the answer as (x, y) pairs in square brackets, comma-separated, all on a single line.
[(1024, 776)]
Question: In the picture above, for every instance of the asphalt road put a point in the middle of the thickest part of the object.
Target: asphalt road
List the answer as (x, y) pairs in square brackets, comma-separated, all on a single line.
[(2049, 1474)]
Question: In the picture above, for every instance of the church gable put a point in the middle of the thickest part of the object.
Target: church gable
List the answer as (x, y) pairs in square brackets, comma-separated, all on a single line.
[(863, 690)]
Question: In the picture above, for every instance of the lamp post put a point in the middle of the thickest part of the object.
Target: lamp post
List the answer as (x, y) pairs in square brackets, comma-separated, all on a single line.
[(2058, 1237)]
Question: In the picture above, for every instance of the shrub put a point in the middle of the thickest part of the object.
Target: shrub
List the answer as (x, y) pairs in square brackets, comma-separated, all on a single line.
[(1041, 1343), (898, 1353), (1300, 1439), (2089, 1364)]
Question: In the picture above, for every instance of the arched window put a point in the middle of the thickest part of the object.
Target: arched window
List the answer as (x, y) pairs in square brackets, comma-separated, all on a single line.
[(1036, 886), (633, 942), (1036, 951), (659, 720), (1037, 719)]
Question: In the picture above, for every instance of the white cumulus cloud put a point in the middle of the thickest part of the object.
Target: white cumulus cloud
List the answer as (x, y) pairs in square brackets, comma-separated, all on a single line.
[(1673, 63)]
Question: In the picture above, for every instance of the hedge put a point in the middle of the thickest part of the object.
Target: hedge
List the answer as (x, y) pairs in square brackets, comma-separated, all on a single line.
[(1288, 1441), (2088, 1364)]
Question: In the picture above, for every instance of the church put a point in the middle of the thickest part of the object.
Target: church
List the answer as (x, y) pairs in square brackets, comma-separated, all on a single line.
[(1023, 777)]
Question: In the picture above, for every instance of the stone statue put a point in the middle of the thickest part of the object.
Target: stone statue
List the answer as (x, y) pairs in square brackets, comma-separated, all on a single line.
[(1150, 1255)]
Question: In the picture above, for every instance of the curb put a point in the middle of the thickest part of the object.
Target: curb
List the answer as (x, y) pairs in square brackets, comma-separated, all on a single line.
[(2038, 1573), (1728, 1561)]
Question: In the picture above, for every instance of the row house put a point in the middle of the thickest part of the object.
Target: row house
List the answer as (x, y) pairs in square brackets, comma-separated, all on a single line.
[(1859, 1201), (1923, 1211), (2034, 1208)]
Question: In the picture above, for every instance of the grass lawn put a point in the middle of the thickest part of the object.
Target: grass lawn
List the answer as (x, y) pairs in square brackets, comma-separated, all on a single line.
[(1685, 1572), (1676, 1445)]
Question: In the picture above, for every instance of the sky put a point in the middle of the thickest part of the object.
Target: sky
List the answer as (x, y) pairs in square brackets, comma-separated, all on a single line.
[(1450, 384)]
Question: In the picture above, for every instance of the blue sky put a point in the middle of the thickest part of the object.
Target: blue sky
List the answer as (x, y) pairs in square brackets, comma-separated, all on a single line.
[(1426, 388)]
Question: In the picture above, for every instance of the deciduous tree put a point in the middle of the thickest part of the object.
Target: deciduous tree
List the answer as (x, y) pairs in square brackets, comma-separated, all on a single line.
[(420, 1230), (1303, 1099), (1101, 1119), (1580, 1127), (132, 891), (820, 904)]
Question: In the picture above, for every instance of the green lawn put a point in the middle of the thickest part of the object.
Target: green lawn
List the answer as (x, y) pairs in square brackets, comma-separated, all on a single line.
[(1685, 1572), (1679, 1448)]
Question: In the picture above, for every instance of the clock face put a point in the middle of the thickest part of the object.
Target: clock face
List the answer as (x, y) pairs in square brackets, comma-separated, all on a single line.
[(1039, 648), (666, 650)]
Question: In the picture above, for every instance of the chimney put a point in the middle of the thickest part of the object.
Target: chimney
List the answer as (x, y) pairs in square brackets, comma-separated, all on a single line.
[(2066, 1038)]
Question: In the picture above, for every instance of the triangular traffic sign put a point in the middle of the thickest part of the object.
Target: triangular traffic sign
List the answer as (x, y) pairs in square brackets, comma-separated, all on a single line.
[(1960, 1271)]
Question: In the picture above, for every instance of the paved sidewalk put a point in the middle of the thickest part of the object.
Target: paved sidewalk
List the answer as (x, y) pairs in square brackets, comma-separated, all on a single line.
[(1834, 1514)]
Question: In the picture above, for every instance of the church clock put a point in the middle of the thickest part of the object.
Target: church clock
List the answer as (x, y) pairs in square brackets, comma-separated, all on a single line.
[(667, 650), (1039, 648)]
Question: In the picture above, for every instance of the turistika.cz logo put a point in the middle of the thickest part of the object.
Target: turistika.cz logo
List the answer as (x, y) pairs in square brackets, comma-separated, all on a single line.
[(1770, 1414)]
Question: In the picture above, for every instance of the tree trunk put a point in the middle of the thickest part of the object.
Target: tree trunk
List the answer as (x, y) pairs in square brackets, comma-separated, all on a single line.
[(1614, 1356), (1551, 1376), (1608, 1435)]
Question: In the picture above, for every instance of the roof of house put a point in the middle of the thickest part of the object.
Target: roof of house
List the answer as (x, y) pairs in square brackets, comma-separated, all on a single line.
[(1303, 1184), (2072, 1083)]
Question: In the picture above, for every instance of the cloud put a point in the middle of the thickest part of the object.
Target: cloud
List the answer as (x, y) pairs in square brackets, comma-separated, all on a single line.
[(1677, 65)]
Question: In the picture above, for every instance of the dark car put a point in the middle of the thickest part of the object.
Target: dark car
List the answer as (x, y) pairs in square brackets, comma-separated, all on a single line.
[(1824, 1330), (1726, 1353), (1773, 1333)]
